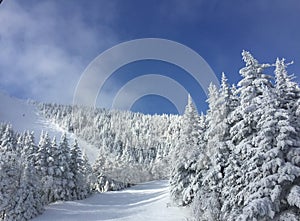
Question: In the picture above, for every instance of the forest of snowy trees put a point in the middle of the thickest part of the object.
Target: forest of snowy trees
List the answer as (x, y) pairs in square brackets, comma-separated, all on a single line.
[(34, 175), (242, 160), (133, 147), (239, 161)]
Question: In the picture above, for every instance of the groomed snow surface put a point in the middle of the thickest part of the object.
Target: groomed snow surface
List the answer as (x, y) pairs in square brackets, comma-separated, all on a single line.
[(148, 201)]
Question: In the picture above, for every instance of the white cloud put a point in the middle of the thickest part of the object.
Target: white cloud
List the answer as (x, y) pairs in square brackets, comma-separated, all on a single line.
[(45, 47)]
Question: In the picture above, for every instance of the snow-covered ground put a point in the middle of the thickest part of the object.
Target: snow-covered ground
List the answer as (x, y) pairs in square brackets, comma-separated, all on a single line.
[(147, 201)]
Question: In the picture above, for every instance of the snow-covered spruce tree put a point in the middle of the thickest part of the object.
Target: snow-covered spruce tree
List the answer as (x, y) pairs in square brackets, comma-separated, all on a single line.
[(79, 168), (20, 196), (42, 155), (261, 195), (52, 165), (211, 196), (2, 129), (234, 102), (41, 165), (29, 148), (289, 124), (199, 166), (28, 200), (10, 172), (217, 133), (208, 203), (90, 177), (250, 87), (244, 127), (186, 168), (52, 179), (287, 91), (64, 189), (8, 141), (271, 173)]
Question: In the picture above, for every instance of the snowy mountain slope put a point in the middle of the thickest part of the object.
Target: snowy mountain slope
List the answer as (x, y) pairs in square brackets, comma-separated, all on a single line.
[(24, 116), (21, 115), (146, 201)]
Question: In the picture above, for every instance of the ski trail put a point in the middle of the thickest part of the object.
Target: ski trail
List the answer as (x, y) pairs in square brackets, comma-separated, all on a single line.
[(25, 116), (146, 201)]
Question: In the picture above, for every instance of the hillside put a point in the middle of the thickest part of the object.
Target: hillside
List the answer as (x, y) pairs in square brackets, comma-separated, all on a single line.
[(24, 115)]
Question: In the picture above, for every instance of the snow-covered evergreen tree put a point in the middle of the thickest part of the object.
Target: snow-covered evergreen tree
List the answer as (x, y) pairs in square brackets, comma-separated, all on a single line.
[(8, 141), (217, 133), (10, 172), (244, 127), (188, 150), (64, 189), (272, 175), (20, 192), (287, 91), (32, 176), (29, 148), (52, 178), (250, 87), (28, 200), (79, 169), (218, 151), (41, 165), (42, 155)]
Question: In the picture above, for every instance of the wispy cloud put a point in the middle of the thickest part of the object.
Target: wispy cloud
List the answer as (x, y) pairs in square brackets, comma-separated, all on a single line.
[(44, 47)]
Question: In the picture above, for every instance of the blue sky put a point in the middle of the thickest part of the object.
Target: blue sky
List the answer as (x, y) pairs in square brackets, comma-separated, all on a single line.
[(46, 45)]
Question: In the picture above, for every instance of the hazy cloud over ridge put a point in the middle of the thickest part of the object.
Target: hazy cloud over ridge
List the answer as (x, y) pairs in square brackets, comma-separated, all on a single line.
[(44, 48)]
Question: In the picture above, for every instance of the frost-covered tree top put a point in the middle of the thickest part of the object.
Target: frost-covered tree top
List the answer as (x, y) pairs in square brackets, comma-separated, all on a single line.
[(287, 90), (254, 79)]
